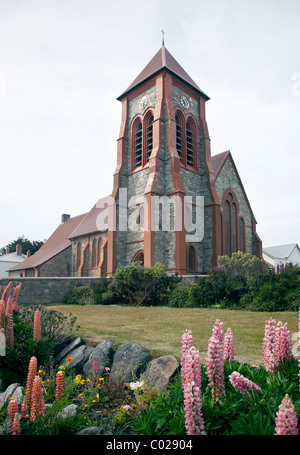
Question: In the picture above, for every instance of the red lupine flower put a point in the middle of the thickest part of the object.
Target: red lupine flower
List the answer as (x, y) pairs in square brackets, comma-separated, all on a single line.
[(37, 326), (32, 370), (60, 384), (6, 292), (12, 410), (37, 399), (9, 332), (2, 314), (16, 428)]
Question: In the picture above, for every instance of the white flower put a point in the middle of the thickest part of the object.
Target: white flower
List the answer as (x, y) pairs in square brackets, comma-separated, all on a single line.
[(136, 385)]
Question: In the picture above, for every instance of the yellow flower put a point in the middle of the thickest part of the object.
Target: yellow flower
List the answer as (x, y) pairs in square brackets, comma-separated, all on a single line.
[(61, 368), (85, 405), (101, 379)]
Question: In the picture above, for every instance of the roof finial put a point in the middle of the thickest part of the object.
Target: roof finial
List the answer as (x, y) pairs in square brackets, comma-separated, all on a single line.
[(163, 37)]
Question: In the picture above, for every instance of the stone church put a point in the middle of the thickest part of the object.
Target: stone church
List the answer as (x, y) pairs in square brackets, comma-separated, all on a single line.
[(163, 155)]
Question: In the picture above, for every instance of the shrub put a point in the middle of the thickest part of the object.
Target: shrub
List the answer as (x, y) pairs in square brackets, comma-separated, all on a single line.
[(80, 295), (135, 285), (14, 366), (181, 296)]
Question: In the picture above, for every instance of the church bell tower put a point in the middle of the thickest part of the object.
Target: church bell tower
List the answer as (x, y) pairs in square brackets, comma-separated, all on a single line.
[(163, 154)]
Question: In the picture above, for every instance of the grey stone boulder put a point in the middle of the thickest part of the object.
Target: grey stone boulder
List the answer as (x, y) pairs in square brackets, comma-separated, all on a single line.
[(14, 391), (61, 343), (159, 372), (128, 361), (80, 356), (103, 352), (94, 431), (70, 347), (68, 411)]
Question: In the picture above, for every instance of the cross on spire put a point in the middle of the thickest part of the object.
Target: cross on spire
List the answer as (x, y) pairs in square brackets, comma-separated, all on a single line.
[(163, 37)]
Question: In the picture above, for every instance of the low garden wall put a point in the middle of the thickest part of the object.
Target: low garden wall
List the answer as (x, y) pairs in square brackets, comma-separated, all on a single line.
[(45, 290)]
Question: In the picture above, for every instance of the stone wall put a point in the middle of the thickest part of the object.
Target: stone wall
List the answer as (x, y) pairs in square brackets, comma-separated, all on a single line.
[(45, 290)]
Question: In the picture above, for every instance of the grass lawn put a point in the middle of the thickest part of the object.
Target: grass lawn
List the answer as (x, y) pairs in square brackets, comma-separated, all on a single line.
[(160, 328)]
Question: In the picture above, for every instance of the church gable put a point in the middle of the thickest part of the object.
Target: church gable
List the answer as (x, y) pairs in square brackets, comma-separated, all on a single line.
[(238, 225)]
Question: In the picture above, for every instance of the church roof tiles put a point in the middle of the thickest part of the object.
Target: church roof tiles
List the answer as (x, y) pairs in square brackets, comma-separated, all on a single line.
[(163, 60)]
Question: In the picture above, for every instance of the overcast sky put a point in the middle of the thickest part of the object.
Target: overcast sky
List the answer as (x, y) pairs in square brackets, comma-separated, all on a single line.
[(63, 63)]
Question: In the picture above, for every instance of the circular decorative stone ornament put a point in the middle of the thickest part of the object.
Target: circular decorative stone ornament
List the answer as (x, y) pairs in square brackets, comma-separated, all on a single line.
[(184, 102), (143, 103)]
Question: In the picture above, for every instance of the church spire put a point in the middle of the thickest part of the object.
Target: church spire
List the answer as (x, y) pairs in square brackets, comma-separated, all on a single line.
[(163, 38)]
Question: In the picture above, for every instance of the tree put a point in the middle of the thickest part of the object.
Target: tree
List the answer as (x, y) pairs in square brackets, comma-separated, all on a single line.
[(241, 265), (33, 246)]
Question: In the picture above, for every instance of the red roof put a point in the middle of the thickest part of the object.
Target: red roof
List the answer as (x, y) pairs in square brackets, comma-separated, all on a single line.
[(218, 161), (163, 60), (90, 222), (56, 243)]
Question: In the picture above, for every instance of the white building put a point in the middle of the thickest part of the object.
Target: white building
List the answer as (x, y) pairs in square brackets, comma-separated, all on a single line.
[(9, 260), (282, 254)]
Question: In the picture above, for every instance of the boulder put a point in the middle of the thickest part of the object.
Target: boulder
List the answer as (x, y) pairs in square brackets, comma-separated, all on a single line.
[(128, 361), (103, 352), (70, 347), (80, 356), (68, 411), (94, 431), (159, 372), (61, 343), (14, 391)]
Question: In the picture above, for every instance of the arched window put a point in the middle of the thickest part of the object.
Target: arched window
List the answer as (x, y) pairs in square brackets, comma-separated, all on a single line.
[(227, 229), (234, 227), (138, 144), (191, 259), (242, 234), (149, 138), (179, 133), (138, 257), (189, 144), (94, 253), (99, 250), (78, 255)]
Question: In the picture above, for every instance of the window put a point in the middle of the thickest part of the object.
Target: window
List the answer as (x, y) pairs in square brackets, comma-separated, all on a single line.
[(94, 253), (78, 255), (234, 227), (191, 259), (99, 249), (138, 145), (189, 145), (149, 145), (227, 229), (242, 235), (179, 136)]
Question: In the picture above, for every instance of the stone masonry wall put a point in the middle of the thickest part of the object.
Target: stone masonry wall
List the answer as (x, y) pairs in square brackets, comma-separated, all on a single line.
[(36, 291)]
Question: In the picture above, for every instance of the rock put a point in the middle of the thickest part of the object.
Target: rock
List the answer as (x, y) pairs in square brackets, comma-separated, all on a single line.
[(103, 352), (70, 347), (159, 372), (14, 391), (80, 356), (68, 411), (128, 361), (94, 431), (61, 343)]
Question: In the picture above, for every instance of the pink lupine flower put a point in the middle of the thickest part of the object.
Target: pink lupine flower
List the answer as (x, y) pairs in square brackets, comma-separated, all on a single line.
[(215, 363), (37, 399), (60, 385), (186, 344), (37, 326), (283, 343), (286, 418), (299, 345), (12, 410), (242, 384), (194, 422), (228, 345), (269, 357)]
